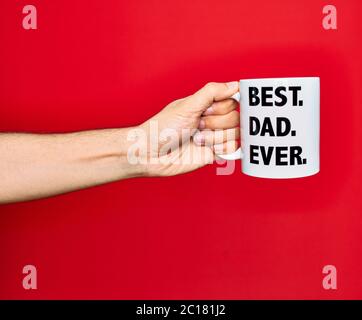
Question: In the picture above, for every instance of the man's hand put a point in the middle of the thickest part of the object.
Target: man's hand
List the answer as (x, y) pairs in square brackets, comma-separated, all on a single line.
[(195, 129), (34, 166)]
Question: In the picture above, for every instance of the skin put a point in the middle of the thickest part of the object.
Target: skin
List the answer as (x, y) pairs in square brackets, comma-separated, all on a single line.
[(34, 166)]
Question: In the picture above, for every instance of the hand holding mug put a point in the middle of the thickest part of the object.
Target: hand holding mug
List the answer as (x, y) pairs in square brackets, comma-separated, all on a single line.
[(212, 120)]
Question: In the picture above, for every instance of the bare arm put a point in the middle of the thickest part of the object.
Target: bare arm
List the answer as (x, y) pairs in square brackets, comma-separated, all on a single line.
[(34, 166), (41, 165)]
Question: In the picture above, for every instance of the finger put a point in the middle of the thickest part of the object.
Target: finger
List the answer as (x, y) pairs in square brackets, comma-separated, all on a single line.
[(225, 121), (211, 137), (211, 92), (221, 107), (226, 147)]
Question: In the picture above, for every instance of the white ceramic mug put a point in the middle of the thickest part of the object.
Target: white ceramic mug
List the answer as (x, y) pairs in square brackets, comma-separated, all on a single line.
[(279, 127)]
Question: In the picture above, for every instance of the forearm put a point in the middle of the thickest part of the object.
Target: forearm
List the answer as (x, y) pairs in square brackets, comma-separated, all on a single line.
[(40, 165)]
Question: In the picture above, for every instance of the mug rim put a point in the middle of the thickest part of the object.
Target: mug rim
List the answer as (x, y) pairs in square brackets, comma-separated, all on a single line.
[(281, 78)]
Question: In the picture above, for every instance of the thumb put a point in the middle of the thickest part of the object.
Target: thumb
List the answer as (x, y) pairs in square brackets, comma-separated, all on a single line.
[(212, 91)]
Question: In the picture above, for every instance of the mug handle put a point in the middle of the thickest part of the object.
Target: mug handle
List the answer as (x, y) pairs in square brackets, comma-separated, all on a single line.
[(238, 154)]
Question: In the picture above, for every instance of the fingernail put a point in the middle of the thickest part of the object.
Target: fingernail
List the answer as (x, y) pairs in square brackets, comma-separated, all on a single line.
[(202, 124), (209, 110), (199, 139), (233, 85)]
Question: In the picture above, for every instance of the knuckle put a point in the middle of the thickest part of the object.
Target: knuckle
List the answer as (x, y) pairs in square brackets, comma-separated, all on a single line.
[(226, 147), (208, 85), (208, 135), (218, 136)]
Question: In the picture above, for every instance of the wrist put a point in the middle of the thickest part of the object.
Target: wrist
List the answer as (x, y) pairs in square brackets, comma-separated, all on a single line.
[(133, 152)]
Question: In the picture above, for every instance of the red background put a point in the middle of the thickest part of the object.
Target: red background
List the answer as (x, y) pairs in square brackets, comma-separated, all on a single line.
[(101, 64)]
